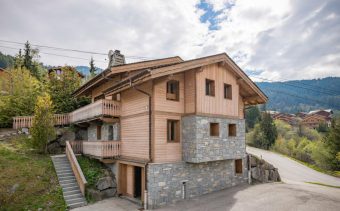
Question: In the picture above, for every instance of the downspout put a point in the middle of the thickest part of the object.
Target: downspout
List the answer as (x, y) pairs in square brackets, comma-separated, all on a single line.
[(150, 131)]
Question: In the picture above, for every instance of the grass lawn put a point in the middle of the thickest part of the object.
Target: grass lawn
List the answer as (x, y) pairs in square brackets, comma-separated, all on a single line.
[(27, 179)]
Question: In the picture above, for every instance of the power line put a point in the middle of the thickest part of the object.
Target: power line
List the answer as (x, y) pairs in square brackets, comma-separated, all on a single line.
[(73, 50), (47, 53), (293, 85)]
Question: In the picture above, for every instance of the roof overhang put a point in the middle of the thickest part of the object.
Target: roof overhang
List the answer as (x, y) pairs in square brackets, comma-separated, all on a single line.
[(249, 91)]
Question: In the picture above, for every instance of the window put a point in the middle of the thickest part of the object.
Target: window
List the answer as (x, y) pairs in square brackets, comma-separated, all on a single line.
[(172, 90), (173, 130), (238, 166), (214, 129), (116, 97), (110, 133), (209, 87), (99, 132), (232, 129), (227, 91)]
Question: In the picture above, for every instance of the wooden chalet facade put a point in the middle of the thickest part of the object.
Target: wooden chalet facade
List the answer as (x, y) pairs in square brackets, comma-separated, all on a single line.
[(170, 129)]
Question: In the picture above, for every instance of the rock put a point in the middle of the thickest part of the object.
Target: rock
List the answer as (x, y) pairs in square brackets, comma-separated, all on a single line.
[(40, 209), (97, 195), (253, 162), (111, 192), (54, 148), (14, 188), (105, 183)]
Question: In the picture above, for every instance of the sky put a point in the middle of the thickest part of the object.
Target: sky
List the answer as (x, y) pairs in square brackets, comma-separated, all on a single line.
[(271, 39)]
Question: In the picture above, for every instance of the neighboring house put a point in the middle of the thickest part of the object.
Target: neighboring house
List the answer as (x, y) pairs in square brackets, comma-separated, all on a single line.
[(169, 129), (288, 118), (59, 71), (314, 119)]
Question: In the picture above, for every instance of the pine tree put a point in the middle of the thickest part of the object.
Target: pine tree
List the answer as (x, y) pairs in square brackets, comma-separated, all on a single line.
[(28, 61), (268, 129), (252, 115), (43, 124), (332, 141), (19, 60), (92, 68)]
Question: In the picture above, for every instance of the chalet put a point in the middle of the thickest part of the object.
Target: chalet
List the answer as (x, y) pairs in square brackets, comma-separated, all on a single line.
[(288, 118), (57, 71), (314, 118), (169, 129)]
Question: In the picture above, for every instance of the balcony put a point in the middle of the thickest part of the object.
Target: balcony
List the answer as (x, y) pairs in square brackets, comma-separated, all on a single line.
[(97, 149), (100, 108)]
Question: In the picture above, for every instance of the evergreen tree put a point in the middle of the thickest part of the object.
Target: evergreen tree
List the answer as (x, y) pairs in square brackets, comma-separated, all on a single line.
[(43, 124), (268, 129), (252, 115), (33, 66), (332, 142), (19, 60), (92, 68)]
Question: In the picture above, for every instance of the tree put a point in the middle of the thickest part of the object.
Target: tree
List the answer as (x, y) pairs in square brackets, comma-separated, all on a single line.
[(6, 61), (252, 116), (20, 97), (268, 129), (332, 142), (29, 63), (61, 87), (43, 124), (92, 68), (19, 60)]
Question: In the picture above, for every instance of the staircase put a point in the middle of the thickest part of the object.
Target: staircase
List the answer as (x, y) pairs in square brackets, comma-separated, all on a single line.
[(68, 182)]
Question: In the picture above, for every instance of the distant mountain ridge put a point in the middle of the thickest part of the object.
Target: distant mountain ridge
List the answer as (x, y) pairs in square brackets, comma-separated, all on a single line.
[(85, 70), (302, 95)]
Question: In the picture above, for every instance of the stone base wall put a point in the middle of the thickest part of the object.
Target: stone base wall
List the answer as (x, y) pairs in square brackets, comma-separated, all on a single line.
[(200, 146), (92, 132), (165, 181)]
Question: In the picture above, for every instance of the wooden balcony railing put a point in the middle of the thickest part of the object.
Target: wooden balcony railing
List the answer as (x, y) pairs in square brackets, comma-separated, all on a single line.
[(81, 180), (98, 108), (27, 121), (97, 149)]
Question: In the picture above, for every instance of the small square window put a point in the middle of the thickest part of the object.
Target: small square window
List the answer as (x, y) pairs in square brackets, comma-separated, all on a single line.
[(172, 90), (214, 129), (238, 166), (173, 133), (232, 129), (227, 91), (209, 87)]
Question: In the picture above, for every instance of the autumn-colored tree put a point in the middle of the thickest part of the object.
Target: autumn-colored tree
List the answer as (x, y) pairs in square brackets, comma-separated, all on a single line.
[(43, 124), (19, 96)]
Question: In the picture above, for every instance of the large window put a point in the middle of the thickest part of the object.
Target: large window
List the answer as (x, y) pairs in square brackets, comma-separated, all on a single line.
[(172, 90), (227, 91), (209, 87), (173, 131), (214, 129), (238, 166)]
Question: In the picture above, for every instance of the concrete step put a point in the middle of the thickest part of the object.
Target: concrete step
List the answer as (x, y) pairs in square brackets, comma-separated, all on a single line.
[(75, 205), (71, 191)]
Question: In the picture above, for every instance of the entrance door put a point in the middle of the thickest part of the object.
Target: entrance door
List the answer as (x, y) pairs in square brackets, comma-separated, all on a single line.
[(137, 182)]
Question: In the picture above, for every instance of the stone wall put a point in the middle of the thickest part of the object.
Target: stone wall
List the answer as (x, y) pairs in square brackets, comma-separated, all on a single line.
[(262, 171), (199, 146), (165, 181), (92, 132)]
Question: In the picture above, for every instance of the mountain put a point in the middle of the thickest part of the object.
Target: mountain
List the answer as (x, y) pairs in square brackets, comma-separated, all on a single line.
[(85, 70), (302, 95), (6, 60)]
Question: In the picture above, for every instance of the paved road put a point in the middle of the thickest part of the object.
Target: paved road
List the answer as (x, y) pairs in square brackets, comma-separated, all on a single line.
[(293, 172)]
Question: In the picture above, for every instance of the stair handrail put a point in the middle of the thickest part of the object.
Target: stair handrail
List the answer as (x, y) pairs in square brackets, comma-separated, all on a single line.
[(81, 180)]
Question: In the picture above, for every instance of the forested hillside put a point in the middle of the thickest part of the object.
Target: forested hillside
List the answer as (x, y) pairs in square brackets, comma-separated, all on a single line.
[(303, 95)]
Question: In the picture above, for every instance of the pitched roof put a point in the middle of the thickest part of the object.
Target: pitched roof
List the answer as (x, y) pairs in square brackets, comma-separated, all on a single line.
[(109, 72), (248, 86)]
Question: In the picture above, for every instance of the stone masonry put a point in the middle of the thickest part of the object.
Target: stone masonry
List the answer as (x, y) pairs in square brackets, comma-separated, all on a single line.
[(92, 132), (171, 182), (199, 146)]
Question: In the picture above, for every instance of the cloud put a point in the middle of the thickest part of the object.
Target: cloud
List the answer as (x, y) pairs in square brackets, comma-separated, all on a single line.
[(269, 39)]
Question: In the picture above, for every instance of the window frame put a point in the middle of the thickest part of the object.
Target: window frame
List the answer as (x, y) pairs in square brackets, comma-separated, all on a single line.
[(228, 91), (209, 87), (238, 163), (212, 130), (176, 129), (232, 127), (172, 94)]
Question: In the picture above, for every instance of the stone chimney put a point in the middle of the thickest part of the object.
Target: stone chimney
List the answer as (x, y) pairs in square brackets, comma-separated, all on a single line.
[(116, 58)]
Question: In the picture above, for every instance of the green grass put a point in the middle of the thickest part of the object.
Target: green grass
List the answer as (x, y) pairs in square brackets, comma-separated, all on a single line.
[(319, 183), (33, 173), (93, 170)]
